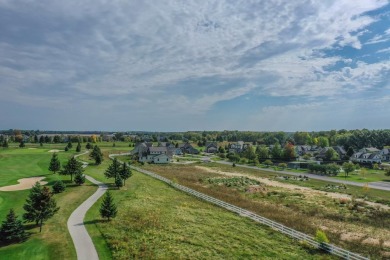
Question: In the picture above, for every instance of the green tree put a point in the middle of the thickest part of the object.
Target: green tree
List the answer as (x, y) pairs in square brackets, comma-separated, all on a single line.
[(72, 167), (276, 151), (250, 154), (348, 167), (79, 179), (88, 146), (55, 164), (40, 205), (323, 141), (113, 169), (70, 145), (331, 155), (108, 208), (78, 148), (12, 230), (387, 172), (97, 155), (58, 187), (262, 152), (5, 143), (283, 165), (66, 148), (125, 172), (289, 152), (118, 181), (268, 163), (363, 172), (22, 145)]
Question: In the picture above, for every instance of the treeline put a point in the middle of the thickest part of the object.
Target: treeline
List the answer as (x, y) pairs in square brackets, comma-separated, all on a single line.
[(355, 139)]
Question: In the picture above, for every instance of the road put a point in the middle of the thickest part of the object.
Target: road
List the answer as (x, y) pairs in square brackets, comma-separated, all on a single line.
[(84, 246), (380, 185)]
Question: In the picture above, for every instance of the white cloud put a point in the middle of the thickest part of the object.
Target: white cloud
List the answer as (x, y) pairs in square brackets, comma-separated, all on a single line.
[(143, 53)]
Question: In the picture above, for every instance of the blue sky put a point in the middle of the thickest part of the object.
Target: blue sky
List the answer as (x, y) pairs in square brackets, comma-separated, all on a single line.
[(194, 65)]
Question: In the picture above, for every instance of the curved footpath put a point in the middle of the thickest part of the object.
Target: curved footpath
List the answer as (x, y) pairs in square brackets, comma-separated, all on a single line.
[(84, 246)]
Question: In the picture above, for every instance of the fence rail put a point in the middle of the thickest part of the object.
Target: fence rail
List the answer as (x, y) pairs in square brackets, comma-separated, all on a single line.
[(335, 250)]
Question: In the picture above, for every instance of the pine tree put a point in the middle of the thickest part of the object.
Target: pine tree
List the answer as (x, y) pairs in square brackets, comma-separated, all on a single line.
[(118, 181), (40, 205), (72, 167), (78, 148), (97, 155), (108, 208), (12, 229), (58, 187), (125, 172), (55, 164), (88, 146), (79, 179), (113, 170), (70, 145), (66, 148), (21, 145)]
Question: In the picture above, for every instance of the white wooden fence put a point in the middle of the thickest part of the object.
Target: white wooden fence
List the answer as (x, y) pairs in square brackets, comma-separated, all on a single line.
[(246, 213)]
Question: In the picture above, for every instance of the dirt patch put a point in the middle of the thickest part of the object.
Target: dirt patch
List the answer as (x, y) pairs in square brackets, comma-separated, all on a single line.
[(24, 184), (54, 151), (305, 190), (351, 236), (386, 244), (371, 241)]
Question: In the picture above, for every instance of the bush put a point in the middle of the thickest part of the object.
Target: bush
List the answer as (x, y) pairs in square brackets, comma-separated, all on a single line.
[(58, 187), (282, 165), (387, 172), (268, 163), (322, 239)]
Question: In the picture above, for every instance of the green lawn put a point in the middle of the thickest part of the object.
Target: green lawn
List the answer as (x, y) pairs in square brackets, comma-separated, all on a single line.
[(54, 241), (156, 221), (370, 176)]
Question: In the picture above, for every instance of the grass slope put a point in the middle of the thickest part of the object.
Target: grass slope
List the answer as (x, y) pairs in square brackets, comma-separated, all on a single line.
[(157, 221), (54, 241)]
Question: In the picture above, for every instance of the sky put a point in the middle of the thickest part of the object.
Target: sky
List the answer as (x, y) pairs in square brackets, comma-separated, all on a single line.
[(194, 65)]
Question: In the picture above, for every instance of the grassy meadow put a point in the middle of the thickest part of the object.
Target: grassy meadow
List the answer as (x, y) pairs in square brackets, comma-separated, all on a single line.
[(156, 221)]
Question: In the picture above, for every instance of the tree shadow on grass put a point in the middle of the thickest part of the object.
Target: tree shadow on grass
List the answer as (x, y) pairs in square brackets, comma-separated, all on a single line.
[(94, 222)]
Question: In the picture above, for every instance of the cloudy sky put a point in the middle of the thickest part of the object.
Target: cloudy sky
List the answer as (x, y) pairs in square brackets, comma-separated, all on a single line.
[(194, 65)]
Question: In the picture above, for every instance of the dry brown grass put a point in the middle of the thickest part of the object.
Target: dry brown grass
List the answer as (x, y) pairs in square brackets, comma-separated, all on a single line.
[(291, 208)]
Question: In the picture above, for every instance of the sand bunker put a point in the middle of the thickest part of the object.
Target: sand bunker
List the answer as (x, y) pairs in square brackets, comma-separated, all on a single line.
[(24, 184), (54, 151)]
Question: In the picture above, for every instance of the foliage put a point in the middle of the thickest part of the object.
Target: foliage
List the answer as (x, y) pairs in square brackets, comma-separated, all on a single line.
[(375, 166), (55, 164), (21, 145), (268, 163), (70, 145), (125, 172), (66, 148), (97, 155), (88, 146), (79, 179), (323, 141), (118, 181), (282, 165), (5, 143), (108, 208), (328, 169), (331, 155), (387, 172), (233, 157), (276, 151), (348, 167), (39, 206), (262, 152), (78, 148), (12, 230), (59, 186), (72, 167), (113, 169), (289, 152), (321, 237), (235, 182)]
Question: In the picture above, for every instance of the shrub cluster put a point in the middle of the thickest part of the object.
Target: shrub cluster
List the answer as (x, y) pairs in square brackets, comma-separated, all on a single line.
[(327, 169)]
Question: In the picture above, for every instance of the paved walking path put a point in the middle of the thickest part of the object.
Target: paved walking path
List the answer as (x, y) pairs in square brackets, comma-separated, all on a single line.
[(375, 185), (84, 246)]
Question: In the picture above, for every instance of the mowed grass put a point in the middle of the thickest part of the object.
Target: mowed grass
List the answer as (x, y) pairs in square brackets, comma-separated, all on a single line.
[(54, 241), (155, 221)]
